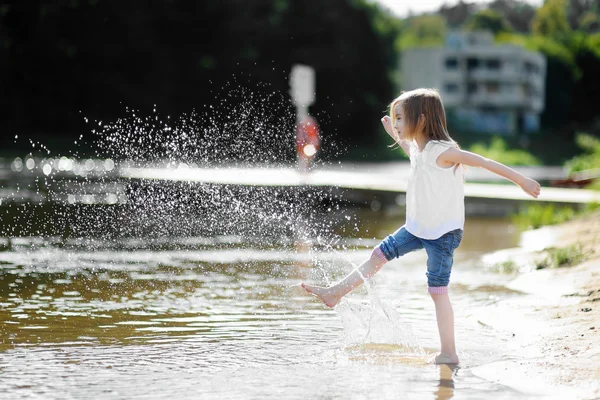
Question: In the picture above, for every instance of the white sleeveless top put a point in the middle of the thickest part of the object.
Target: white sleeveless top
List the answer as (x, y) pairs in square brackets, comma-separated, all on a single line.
[(435, 196)]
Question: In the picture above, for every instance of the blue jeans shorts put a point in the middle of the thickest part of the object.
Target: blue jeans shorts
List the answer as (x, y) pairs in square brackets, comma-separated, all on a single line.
[(440, 252)]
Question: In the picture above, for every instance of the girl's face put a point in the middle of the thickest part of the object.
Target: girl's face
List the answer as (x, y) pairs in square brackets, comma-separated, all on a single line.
[(398, 124)]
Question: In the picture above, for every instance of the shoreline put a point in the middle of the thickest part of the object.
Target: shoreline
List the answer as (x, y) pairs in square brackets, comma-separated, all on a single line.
[(559, 318)]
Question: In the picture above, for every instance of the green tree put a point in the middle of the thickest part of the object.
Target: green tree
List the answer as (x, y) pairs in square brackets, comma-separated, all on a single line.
[(488, 20), (498, 150), (586, 90), (423, 30), (64, 60), (578, 9), (456, 15), (589, 22), (518, 14), (590, 158), (551, 19)]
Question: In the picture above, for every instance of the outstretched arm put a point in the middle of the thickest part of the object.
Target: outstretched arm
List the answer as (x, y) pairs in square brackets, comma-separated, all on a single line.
[(453, 156), (387, 125)]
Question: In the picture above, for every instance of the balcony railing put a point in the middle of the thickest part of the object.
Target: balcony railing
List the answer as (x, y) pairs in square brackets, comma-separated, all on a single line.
[(514, 99)]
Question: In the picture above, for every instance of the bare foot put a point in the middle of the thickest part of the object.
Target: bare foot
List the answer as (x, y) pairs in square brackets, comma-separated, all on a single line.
[(326, 295), (444, 359)]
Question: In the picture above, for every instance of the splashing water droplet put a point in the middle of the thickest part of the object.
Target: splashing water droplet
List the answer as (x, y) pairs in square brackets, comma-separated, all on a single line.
[(47, 169)]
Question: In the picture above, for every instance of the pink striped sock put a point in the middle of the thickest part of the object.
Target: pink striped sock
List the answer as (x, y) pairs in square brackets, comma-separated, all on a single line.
[(438, 289), (379, 256)]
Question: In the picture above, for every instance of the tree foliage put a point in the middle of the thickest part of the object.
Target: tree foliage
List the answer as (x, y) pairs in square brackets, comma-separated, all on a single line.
[(498, 150), (423, 30), (577, 10), (590, 158), (551, 19), (488, 20), (456, 15), (517, 14), (65, 60), (589, 22)]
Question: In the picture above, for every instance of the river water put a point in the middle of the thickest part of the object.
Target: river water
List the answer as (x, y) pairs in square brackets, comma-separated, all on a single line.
[(113, 289), (222, 317)]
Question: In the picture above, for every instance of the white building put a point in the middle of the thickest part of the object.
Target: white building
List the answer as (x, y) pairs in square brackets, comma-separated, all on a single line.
[(488, 87)]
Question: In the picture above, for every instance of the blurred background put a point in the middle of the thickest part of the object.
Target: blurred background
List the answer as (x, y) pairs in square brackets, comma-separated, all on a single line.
[(528, 69)]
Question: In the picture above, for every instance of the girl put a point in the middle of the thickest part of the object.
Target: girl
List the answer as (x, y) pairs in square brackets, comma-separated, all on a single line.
[(435, 213)]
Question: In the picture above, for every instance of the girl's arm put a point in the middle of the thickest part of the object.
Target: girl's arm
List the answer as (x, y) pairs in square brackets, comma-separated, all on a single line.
[(453, 156), (387, 125)]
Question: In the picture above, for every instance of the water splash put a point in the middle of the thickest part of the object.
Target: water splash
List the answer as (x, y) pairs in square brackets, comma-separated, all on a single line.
[(69, 196), (375, 323)]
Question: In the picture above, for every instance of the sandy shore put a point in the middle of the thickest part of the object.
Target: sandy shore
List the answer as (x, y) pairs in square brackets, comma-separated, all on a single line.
[(559, 336)]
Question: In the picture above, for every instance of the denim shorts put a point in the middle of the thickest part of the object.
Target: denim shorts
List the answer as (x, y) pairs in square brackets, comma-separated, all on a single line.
[(440, 252)]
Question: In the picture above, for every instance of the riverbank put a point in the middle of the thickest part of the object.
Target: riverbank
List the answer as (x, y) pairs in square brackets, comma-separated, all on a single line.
[(558, 321)]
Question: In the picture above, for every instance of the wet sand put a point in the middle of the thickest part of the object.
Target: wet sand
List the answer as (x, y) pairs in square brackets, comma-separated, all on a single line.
[(558, 324)]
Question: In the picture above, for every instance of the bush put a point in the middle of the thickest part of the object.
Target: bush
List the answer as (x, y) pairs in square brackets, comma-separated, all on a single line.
[(590, 159), (498, 151), (537, 215), (506, 267), (563, 257)]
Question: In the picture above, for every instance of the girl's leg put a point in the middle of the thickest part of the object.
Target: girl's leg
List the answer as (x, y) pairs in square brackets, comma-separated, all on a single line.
[(332, 295), (445, 321), (394, 246), (440, 258)]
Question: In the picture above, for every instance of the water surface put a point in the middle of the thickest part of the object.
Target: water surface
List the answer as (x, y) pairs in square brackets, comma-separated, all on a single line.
[(221, 317)]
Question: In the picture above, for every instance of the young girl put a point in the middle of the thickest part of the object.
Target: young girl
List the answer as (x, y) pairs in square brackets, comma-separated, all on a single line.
[(435, 213)]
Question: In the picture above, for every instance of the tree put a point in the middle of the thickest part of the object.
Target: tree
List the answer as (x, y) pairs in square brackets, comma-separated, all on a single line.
[(577, 10), (517, 14), (65, 60), (423, 30), (589, 22), (456, 15), (551, 19), (488, 20)]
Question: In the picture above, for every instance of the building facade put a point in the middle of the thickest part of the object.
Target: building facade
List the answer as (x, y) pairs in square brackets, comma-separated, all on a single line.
[(488, 88)]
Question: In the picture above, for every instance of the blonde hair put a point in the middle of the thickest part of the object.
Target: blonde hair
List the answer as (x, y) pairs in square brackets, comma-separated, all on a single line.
[(423, 114)]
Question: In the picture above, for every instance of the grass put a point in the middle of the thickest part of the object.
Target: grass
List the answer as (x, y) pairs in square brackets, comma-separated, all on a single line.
[(559, 257), (553, 257), (506, 267)]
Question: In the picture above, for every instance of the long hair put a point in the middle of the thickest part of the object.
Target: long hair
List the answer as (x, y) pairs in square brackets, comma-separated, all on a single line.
[(423, 114)]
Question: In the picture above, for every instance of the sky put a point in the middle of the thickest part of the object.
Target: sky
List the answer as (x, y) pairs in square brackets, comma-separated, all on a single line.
[(402, 7)]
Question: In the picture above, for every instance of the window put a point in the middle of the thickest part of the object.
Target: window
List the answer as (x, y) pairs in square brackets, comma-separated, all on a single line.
[(472, 87), (493, 64), (451, 87), (531, 91), (492, 87), (472, 63), (531, 68), (451, 63)]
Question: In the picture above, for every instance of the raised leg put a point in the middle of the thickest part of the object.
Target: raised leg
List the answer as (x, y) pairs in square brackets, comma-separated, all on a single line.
[(332, 295)]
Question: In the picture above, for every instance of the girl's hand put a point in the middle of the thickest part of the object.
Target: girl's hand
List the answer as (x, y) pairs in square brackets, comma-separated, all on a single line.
[(387, 125), (531, 187)]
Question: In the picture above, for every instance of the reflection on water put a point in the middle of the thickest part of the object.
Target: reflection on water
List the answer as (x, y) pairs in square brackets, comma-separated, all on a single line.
[(446, 385), (214, 317)]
